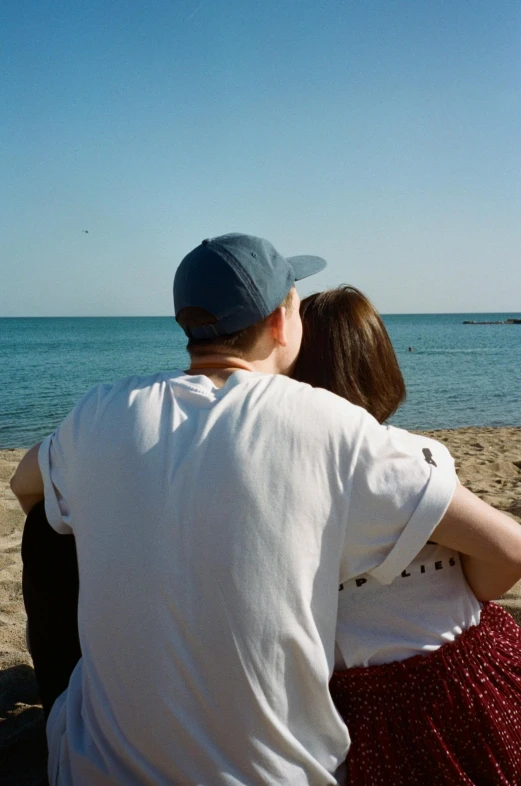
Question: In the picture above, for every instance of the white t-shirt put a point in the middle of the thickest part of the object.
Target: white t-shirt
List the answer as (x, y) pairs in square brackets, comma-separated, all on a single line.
[(428, 604), (213, 527)]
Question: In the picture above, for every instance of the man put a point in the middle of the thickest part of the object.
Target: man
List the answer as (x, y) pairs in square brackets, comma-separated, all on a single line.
[(215, 512)]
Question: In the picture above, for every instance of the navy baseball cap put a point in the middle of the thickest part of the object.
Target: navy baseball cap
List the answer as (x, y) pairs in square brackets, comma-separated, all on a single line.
[(239, 279)]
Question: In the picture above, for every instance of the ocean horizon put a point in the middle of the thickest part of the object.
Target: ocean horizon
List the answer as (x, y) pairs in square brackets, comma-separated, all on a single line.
[(456, 375)]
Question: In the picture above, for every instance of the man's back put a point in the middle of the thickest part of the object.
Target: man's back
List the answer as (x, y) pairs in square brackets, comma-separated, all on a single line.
[(213, 527), (209, 530)]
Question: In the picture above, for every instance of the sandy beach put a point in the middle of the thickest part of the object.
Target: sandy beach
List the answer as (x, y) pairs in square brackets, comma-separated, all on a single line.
[(488, 462)]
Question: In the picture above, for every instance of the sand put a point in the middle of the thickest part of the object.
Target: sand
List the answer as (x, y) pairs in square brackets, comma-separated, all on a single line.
[(488, 462)]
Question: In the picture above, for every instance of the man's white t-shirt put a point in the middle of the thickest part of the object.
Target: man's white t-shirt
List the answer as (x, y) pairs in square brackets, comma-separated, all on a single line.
[(213, 527), (428, 604)]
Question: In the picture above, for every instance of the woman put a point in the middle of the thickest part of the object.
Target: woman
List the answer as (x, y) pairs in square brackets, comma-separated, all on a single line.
[(346, 349), (428, 679)]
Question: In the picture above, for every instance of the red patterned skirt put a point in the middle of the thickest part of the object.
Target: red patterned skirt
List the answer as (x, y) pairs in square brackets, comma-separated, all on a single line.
[(452, 717)]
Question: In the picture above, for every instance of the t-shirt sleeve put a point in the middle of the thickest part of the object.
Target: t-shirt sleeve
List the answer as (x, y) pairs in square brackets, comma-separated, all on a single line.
[(53, 467), (57, 458), (401, 485)]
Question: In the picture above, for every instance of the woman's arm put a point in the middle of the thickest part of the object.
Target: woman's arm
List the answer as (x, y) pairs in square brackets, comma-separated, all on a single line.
[(489, 542), (27, 481)]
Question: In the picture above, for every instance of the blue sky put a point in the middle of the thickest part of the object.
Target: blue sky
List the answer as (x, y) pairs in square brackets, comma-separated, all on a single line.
[(384, 135)]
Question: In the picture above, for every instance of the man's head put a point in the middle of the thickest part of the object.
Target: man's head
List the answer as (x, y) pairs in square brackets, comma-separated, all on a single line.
[(235, 294)]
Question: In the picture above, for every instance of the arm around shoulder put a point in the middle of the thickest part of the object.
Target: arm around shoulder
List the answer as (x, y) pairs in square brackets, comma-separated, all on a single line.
[(488, 540), (27, 482)]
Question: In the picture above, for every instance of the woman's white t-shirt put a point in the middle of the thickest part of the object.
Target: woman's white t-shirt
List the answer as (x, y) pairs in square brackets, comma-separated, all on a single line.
[(428, 604)]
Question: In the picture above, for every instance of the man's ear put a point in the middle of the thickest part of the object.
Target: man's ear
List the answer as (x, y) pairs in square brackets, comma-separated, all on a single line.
[(277, 324)]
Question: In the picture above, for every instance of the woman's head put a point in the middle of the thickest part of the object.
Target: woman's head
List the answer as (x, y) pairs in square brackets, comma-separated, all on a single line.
[(346, 349)]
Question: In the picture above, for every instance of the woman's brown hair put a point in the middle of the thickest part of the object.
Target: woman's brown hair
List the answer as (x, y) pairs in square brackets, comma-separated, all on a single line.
[(347, 350)]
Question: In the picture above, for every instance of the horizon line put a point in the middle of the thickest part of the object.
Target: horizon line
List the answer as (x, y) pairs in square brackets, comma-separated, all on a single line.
[(171, 316)]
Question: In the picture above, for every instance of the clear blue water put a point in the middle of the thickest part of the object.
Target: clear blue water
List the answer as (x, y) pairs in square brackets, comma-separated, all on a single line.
[(457, 375)]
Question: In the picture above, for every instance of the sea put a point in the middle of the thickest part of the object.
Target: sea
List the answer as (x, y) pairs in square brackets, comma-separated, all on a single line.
[(456, 374)]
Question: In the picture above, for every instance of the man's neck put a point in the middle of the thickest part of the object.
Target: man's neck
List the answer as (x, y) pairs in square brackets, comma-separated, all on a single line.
[(218, 367)]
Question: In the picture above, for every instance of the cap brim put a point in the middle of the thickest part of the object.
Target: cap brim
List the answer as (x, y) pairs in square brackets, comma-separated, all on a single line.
[(304, 266)]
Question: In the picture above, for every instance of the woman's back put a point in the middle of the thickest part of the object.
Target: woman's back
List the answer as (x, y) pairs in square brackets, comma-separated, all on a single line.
[(427, 680), (347, 350)]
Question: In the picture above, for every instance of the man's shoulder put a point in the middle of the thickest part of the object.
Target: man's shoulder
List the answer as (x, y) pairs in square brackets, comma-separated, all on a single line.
[(315, 396), (316, 405), (122, 390), (433, 451)]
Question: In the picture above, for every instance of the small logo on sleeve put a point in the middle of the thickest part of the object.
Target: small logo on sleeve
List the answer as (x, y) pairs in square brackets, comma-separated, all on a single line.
[(428, 457)]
